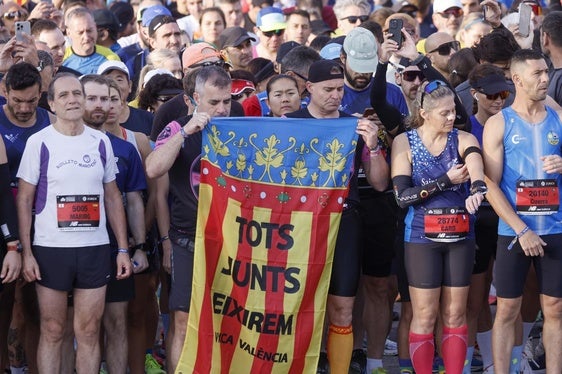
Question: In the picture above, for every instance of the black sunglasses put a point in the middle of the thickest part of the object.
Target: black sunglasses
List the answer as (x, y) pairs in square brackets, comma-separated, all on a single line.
[(445, 48), (219, 63), (353, 19), (411, 75), (269, 34), (163, 99), (15, 14), (493, 97)]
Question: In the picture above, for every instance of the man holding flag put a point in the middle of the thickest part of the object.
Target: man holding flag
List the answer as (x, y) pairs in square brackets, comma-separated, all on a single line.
[(326, 87), (178, 153)]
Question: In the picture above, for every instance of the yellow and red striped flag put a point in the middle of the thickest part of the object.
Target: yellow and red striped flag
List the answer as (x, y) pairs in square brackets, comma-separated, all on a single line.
[(270, 201)]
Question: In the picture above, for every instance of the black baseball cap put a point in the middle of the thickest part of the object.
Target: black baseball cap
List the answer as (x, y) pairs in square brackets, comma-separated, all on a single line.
[(233, 37), (158, 22), (324, 70)]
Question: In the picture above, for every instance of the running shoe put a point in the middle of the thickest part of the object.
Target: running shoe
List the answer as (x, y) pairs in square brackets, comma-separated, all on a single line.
[(151, 366), (358, 362), (323, 366), (379, 371), (390, 348), (476, 365)]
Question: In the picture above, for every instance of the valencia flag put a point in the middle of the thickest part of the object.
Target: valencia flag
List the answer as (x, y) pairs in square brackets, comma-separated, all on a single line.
[(270, 199)]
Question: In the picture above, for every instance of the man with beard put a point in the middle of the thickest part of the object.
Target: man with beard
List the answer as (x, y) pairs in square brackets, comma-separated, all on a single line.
[(377, 209), (20, 118), (521, 151), (359, 56), (235, 43), (131, 182), (325, 84)]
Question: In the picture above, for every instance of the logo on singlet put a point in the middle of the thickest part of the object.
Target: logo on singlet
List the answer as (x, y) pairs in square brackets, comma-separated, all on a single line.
[(552, 138), (86, 159), (516, 139)]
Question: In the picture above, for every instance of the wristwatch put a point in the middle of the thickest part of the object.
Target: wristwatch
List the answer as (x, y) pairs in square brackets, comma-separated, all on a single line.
[(15, 247)]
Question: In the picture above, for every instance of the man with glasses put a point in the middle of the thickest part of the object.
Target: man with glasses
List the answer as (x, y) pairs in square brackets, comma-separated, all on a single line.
[(47, 33), (270, 28), (350, 14), (439, 47), (447, 16), (236, 44)]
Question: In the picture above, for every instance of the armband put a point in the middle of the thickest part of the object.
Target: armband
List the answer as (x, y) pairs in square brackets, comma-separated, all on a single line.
[(471, 149), (478, 187), (163, 239), (407, 195)]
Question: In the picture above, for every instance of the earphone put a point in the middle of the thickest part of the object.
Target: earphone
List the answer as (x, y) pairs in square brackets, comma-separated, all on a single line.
[(475, 98)]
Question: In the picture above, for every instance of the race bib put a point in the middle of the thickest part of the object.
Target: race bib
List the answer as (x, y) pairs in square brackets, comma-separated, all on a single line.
[(78, 212), (446, 224), (537, 197)]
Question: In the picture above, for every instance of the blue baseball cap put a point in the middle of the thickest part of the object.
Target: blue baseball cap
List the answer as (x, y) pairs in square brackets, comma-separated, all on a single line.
[(331, 51), (271, 18), (149, 13)]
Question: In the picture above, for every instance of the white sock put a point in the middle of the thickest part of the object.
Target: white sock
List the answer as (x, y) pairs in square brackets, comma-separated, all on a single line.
[(373, 363), (484, 340), (14, 370)]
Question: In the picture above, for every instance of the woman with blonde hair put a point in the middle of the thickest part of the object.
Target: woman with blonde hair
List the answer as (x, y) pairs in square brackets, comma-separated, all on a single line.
[(472, 29)]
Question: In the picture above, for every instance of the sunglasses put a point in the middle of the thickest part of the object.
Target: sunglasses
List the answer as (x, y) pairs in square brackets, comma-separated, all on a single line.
[(430, 87), (493, 97), (410, 76), (15, 14), (445, 48), (354, 19), (455, 12), (163, 99), (537, 9), (269, 34), (219, 63)]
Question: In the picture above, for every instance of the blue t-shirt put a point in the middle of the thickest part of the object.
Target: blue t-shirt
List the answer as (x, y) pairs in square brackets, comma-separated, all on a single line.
[(139, 121), (524, 145), (357, 101), (477, 129), (15, 138), (88, 64), (130, 173)]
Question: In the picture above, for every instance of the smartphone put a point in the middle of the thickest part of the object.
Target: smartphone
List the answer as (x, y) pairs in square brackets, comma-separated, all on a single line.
[(525, 11), (22, 27), (395, 28)]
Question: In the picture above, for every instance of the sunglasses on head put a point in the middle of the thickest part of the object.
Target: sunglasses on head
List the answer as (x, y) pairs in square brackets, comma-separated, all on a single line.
[(430, 87), (493, 97), (15, 14), (445, 48), (269, 34), (353, 19), (455, 12), (411, 75), (219, 63)]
